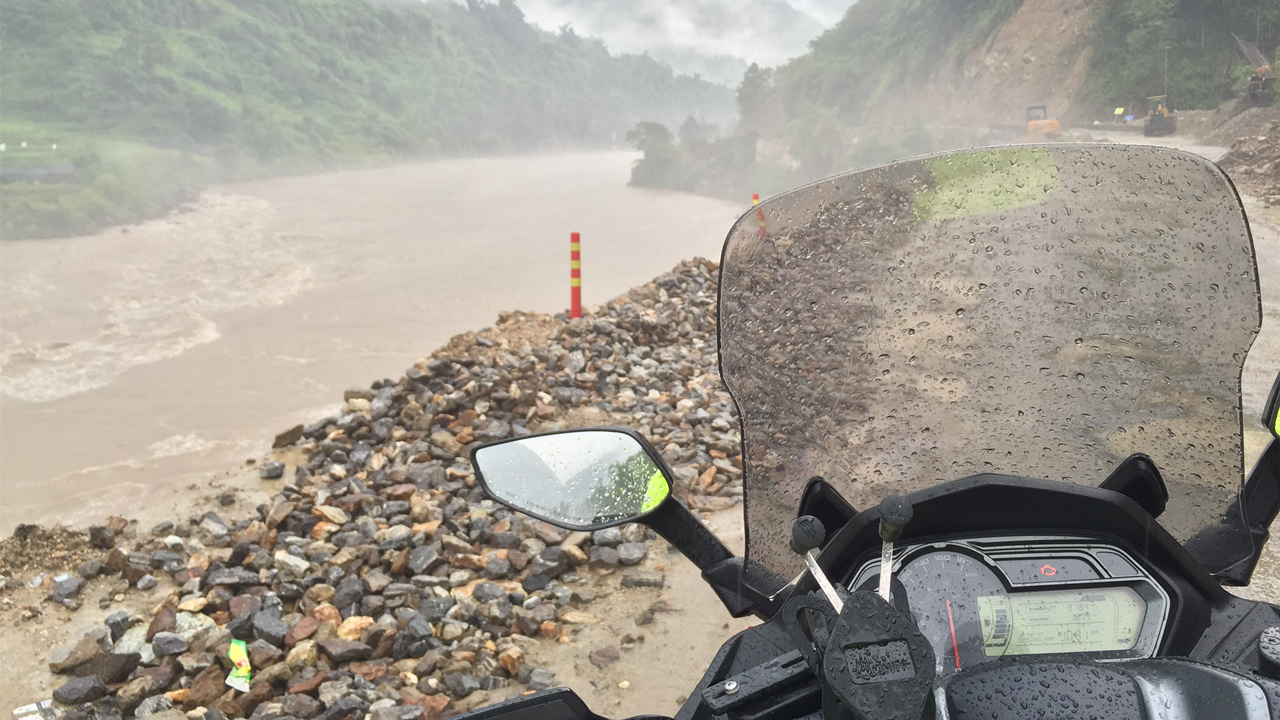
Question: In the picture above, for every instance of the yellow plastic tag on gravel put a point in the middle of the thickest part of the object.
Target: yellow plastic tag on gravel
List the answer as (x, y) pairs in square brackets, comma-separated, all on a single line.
[(986, 181), (238, 678)]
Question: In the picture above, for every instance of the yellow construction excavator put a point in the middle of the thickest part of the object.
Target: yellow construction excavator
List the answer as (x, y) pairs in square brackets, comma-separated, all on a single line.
[(1160, 119), (1040, 126)]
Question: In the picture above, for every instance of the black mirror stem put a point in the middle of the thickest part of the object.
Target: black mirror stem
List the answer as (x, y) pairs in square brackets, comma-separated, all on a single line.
[(723, 571)]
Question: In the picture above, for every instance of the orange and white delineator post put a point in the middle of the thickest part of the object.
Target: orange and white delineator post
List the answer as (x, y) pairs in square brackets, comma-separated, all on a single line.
[(575, 276)]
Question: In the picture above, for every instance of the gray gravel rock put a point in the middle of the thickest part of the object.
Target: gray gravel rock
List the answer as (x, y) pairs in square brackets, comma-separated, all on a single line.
[(269, 627), (461, 684), (603, 557), (74, 654), (348, 591), (302, 706), (153, 705), (422, 559), (167, 643), (608, 536), (433, 609), (341, 651), (117, 622), (348, 707), (642, 578), (541, 678), (487, 591), (632, 553), (111, 667), (231, 577), (64, 590), (101, 536), (81, 690), (90, 569)]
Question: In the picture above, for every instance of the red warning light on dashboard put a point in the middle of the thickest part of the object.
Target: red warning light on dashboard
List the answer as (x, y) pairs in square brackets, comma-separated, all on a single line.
[(1048, 571)]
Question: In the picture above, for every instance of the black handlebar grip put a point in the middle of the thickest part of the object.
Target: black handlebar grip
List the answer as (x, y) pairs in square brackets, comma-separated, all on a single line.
[(807, 533), (895, 513)]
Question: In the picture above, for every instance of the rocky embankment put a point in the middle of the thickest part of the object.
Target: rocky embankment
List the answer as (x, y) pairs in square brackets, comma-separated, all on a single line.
[(379, 582), (1254, 161)]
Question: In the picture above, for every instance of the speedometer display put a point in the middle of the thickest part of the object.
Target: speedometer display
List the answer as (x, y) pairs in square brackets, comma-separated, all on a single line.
[(1032, 596), (942, 589), (1061, 621)]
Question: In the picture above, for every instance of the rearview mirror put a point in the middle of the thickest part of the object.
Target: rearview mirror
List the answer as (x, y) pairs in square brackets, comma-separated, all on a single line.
[(583, 479)]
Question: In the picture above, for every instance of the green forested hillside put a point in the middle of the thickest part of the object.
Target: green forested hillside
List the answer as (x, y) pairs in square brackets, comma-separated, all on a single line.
[(883, 46), (229, 88), (1185, 46), (817, 114)]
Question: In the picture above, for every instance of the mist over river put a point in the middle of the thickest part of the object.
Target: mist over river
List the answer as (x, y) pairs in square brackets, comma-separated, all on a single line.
[(135, 363)]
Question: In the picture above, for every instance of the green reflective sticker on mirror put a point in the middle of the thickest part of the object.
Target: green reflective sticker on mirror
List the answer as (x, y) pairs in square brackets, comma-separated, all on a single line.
[(986, 181), (656, 492)]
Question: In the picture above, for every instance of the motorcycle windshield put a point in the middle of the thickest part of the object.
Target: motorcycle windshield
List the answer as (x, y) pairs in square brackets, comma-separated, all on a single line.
[(1043, 311)]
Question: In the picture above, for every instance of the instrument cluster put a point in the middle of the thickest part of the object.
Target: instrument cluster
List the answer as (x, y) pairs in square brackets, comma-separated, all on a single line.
[(982, 599)]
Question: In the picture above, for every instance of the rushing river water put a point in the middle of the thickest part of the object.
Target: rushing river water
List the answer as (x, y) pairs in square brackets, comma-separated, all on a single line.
[(146, 359)]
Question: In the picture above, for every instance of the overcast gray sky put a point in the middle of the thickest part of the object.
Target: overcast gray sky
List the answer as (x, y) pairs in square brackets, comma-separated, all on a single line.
[(715, 38)]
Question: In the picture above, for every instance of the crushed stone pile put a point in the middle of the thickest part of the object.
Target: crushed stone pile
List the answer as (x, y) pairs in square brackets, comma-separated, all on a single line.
[(1254, 164), (1250, 123), (379, 582)]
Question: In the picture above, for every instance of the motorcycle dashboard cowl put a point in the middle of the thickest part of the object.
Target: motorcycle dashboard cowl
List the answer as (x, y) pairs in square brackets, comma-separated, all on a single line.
[(987, 506)]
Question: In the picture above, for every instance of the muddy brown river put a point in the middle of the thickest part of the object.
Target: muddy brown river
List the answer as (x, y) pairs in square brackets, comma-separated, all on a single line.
[(140, 360)]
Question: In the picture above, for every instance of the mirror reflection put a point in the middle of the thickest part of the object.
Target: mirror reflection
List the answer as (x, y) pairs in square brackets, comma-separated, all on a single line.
[(581, 480)]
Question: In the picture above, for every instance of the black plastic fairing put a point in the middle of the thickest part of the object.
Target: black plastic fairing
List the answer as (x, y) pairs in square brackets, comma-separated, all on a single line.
[(554, 704), (823, 501), (1230, 550), (1271, 410), (1138, 478)]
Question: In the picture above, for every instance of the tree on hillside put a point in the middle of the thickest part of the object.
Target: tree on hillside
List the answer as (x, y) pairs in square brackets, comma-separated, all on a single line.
[(693, 131), (756, 85), (650, 136)]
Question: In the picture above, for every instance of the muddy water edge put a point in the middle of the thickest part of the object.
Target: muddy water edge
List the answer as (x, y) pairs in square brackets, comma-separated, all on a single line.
[(143, 359)]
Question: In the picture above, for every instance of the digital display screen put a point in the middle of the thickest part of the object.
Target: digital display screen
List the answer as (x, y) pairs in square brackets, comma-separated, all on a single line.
[(1061, 621)]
